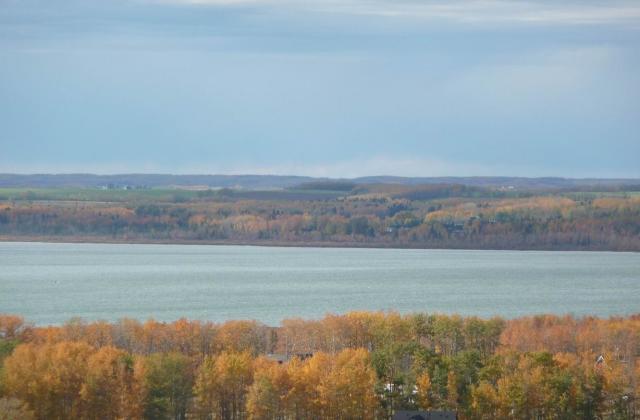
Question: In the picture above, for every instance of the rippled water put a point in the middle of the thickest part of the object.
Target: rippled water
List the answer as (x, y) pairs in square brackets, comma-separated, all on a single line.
[(50, 283)]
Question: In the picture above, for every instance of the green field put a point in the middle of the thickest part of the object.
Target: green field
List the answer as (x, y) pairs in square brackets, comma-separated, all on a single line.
[(86, 194), (160, 195)]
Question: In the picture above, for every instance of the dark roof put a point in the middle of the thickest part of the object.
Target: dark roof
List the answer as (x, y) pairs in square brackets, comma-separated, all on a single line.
[(425, 415)]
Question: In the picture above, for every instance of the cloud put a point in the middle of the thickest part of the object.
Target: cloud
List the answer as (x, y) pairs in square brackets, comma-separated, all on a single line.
[(351, 168), (453, 86), (210, 2), (498, 11), (371, 166), (461, 11), (375, 166), (218, 22)]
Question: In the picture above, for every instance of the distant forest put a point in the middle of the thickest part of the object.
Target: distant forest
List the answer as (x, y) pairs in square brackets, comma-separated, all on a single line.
[(362, 365), (283, 181), (333, 213)]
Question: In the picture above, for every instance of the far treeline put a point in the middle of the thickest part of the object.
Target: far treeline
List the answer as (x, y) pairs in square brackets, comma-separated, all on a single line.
[(333, 214), (362, 365)]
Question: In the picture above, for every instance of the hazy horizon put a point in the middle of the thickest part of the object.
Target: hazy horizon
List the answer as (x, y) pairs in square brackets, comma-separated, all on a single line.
[(294, 175)]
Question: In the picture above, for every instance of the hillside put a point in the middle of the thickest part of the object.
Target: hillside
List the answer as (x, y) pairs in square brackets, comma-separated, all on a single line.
[(280, 181)]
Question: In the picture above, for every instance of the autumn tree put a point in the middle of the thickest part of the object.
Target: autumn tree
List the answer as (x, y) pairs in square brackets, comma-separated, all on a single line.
[(268, 396), (423, 388), (167, 386), (111, 389), (222, 384), (485, 403), (348, 389), (49, 377), (14, 409)]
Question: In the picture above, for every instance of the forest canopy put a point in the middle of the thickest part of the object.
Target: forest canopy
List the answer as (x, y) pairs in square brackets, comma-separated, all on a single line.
[(357, 365), (332, 214)]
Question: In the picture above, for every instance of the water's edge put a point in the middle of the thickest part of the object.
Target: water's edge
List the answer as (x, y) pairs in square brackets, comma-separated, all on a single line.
[(287, 244)]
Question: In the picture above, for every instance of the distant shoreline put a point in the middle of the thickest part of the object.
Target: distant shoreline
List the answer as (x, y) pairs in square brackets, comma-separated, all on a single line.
[(284, 244)]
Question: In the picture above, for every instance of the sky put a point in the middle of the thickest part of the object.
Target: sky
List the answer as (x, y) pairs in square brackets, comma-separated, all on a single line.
[(337, 88)]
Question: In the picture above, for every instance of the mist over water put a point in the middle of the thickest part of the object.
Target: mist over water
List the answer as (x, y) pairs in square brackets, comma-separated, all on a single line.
[(51, 283)]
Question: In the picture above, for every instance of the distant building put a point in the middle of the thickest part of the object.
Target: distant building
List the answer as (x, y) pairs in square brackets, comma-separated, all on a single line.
[(425, 415), (281, 358)]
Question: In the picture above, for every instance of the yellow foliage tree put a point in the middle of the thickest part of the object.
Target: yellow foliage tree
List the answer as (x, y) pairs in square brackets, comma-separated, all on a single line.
[(111, 389), (423, 385), (49, 377), (221, 385), (268, 395)]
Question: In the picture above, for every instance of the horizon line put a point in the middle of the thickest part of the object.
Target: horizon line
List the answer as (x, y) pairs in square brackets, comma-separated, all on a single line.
[(310, 176)]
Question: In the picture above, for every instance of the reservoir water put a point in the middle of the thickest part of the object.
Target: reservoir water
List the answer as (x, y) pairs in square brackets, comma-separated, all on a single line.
[(49, 283)]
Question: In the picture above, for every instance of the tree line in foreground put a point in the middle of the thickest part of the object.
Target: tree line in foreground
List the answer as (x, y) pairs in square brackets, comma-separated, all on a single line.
[(361, 365)]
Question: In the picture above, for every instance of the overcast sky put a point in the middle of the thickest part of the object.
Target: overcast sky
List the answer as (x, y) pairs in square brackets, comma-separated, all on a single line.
[(321, 87)]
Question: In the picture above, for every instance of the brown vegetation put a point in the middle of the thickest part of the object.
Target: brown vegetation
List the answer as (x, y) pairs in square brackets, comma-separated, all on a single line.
[(447, 216)]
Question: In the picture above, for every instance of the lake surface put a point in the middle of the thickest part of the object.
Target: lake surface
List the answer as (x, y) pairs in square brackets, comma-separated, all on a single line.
[(50, 283)]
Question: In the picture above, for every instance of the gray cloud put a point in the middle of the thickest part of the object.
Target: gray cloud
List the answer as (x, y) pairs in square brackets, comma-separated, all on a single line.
[(354, 87), (462, 11)]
